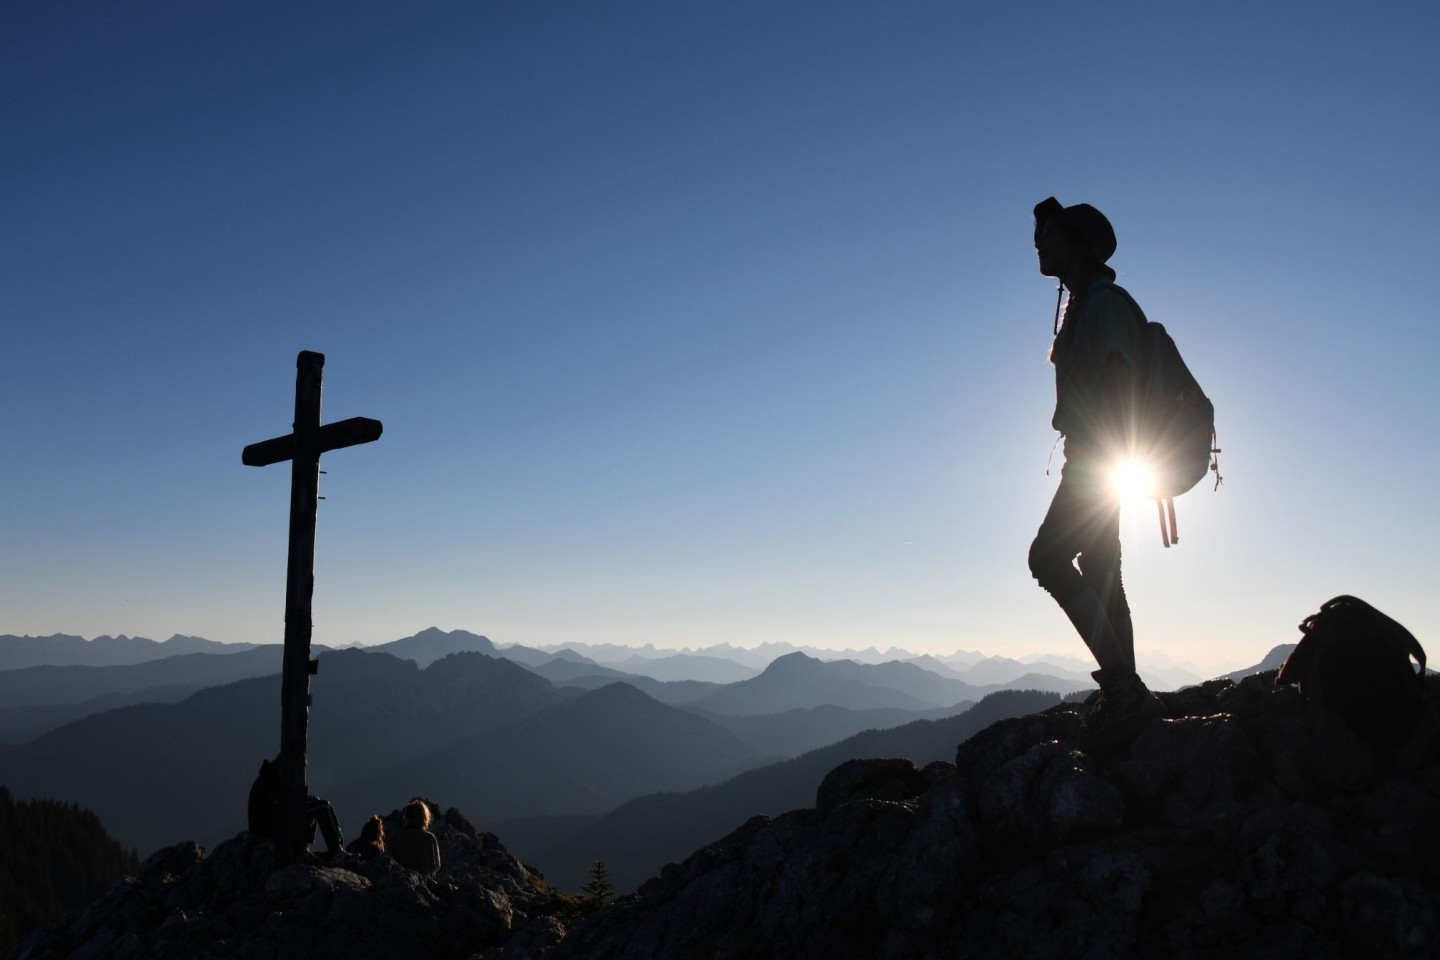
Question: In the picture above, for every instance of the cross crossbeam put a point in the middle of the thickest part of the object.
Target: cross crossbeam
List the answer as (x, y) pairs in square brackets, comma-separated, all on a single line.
[(332, 436)]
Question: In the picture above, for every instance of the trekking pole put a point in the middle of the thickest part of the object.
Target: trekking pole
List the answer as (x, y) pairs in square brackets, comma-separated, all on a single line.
[(1164, 532), (1174, 531)]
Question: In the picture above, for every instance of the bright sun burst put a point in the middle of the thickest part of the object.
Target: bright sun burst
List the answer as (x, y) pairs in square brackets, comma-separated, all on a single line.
[(1133, 481)]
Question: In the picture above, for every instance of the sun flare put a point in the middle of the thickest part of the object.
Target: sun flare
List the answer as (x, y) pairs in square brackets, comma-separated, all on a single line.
[(1133, 481)]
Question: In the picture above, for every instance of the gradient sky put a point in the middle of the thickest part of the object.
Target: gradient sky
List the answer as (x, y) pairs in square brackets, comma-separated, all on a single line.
[(702, 322)]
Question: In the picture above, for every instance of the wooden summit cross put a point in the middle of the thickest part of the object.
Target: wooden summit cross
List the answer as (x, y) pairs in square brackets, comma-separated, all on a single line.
[(302, 448)]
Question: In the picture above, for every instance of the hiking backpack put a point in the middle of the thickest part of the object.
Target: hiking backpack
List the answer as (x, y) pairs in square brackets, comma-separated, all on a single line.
[(1175, 422), (1355, 662)]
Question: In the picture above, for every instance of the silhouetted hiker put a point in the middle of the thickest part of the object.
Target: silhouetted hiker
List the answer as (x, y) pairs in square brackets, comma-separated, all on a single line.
[(1076, 553), (263, 809), (413, 845), (371, 842)]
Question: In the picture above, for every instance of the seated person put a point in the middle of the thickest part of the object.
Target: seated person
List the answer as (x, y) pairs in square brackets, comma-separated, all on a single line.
[(263, 809), (372, 839), (413, 845)]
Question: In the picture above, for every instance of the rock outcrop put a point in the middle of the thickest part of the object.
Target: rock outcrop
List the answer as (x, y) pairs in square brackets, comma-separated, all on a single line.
[(1238, 827), (230, 902)]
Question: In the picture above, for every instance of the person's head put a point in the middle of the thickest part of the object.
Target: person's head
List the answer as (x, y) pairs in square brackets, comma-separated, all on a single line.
[(373, 832), (417, 814), (1072, 241)]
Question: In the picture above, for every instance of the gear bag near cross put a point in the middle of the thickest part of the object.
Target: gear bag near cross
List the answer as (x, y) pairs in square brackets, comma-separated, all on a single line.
[(1174, 421)]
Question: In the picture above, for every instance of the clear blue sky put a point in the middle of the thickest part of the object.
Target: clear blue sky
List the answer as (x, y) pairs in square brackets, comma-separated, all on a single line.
[(702, 322)]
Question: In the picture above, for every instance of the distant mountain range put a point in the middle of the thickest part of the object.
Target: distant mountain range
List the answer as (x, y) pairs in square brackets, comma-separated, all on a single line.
[(51, 685), (156, 773), (755, 658), (894, 684), (581, 755), (490, 736), (720, 663), (66, 678), (63, 650), (677, 693), (686, 666), (432, 644), (23, 724), (973, 667)]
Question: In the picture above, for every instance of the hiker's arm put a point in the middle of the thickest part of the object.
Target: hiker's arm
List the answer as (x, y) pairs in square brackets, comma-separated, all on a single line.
[(1111, 398), (1116, 421)]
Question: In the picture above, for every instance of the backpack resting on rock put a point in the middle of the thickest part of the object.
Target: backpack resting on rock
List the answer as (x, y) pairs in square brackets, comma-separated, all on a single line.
[(1356, 663)]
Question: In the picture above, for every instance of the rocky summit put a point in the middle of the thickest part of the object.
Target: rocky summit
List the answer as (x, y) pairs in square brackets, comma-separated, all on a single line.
[(1239, 827), (1242, 825)]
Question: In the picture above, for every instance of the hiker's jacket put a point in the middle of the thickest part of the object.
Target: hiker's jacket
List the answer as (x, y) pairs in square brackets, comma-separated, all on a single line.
[(416, 849), (1094, 353)]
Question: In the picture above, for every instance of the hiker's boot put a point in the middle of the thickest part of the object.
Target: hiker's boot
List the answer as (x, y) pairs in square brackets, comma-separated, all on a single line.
[(1124, 708)]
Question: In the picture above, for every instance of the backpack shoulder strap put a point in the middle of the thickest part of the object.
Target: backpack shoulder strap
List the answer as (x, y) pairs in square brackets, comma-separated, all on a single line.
[(1125, 295)]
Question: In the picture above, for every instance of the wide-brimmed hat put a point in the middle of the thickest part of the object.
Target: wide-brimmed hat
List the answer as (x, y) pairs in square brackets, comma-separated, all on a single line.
[(1087, 222)]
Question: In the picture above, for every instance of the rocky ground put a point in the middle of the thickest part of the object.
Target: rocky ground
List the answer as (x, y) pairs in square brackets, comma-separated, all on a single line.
[(229, 902), (1240, 826)]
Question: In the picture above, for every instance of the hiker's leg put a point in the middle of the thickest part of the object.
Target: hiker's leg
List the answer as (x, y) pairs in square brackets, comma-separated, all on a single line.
[(1126, 705), (1078, 518), (1091, 622), (1099, 564), (1124, 629), (323, 815)]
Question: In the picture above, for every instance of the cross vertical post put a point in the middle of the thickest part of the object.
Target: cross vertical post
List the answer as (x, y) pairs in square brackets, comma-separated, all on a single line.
[(302, 448), (299, 594)]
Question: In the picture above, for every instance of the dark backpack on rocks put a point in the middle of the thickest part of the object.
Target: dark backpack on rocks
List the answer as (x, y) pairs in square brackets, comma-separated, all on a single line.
[(1355, 663)]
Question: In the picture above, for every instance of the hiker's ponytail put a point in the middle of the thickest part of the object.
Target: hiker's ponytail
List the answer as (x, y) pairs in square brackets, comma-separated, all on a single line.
[(1066, 324)]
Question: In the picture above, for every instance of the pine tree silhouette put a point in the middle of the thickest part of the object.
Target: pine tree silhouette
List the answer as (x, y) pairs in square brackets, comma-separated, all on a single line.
[(56, 856), (599, 888)]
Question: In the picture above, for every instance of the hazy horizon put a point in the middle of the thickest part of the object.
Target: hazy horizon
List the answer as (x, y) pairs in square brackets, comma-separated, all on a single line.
[(1153, 656)]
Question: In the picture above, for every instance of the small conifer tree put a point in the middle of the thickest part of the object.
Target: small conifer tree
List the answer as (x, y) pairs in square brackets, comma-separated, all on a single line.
[(599, 888)]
